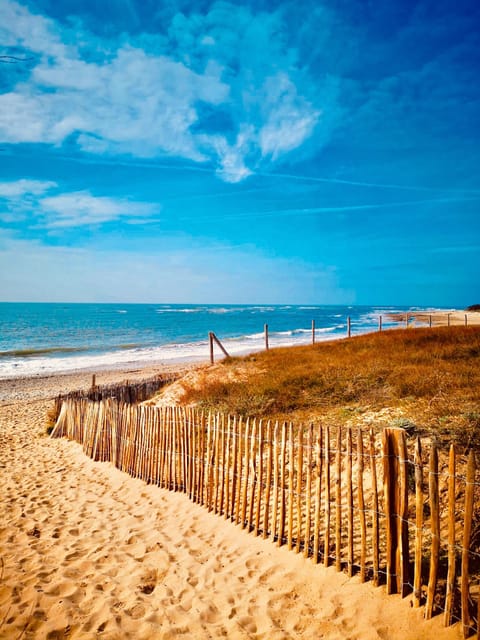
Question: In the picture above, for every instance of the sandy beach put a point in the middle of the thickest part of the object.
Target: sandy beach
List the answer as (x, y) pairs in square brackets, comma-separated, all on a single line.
[(88, 552)]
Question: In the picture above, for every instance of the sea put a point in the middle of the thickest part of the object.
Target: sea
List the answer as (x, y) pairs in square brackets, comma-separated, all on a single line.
[(49, 338)]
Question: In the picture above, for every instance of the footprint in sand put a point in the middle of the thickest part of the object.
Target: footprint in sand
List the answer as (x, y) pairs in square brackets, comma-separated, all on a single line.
[(138, 611)]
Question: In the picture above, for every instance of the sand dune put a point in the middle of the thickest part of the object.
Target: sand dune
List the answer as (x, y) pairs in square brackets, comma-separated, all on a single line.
[(88, 552)]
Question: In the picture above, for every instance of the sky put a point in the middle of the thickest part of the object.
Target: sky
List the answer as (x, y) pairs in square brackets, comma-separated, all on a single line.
[(299, 151)]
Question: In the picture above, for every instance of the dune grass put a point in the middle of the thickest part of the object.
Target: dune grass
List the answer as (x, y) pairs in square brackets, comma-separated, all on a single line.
[(423, 379)]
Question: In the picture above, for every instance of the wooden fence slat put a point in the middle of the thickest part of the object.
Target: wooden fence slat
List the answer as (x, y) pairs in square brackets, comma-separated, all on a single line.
[(435, 530), (210, 446), (326, 547), (228, 444), (387, 481), (451, 575), (221, 496), (299, 489), (253, 473), (417, 575), (281, 514), (291, 467), (233, 495), (259, 478), (201, 459), (338, 502), (308, 490), (349, 504), (467, 530), (216, 461), (241, 443), (361, 506), (276, 463), (318, 498), (268, 480), (403, 560), (246, 466)]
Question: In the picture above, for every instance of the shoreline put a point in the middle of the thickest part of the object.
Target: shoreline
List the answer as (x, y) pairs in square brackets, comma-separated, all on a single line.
[(33, 356), (39, 386)]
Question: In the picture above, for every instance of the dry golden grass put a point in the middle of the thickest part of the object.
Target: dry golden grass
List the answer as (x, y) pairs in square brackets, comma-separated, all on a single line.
[(423, 379)]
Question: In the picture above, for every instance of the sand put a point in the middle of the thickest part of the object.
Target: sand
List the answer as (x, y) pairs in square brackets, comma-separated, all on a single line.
[(455, 317), (88, 552)]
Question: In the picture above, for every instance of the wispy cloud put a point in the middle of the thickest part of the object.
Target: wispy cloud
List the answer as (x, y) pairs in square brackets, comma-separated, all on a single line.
[(81, 208), (68, 209), (223, 88)]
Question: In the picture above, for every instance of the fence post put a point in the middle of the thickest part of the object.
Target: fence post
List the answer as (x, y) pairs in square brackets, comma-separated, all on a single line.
[(93, 382), (430, 321), (210, 342), (448, 319), (214, 337), (266, 336), (313, 331), (466, 322), (349, 327), (379, 323), (406, 320)]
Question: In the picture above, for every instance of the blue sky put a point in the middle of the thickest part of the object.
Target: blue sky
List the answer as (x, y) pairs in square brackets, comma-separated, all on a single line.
[(273, 152)]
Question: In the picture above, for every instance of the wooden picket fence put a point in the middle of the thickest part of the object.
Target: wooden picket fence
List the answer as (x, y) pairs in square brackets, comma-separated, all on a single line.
[(125, 392), (395, 510)]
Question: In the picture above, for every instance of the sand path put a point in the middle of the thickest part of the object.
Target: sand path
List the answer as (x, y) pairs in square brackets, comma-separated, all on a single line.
[(88, 552)]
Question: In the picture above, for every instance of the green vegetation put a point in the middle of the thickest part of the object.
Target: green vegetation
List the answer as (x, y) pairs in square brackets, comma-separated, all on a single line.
[(426, 379)]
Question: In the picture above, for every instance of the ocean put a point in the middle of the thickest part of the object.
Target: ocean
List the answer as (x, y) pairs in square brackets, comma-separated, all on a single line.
[(48, 338)]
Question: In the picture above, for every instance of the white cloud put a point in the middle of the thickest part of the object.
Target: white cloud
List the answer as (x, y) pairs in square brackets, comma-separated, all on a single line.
[(130, 101), (70, 209), (23, 187), (81, 208)]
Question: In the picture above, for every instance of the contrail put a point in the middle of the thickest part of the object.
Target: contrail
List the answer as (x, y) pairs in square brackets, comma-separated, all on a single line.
[(313, 210), (358, 183)]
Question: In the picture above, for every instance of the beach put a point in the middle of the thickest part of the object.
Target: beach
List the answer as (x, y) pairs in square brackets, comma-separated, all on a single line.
[(87, 551)]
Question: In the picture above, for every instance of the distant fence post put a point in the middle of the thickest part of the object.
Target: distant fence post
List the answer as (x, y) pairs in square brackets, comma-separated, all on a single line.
[(93, 382), (213, 337), (266, 336), (406, 321), (379, 323), (210, 342), (430, 321), (448, 319), (313, 331), (466, 322), (349, 327)]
